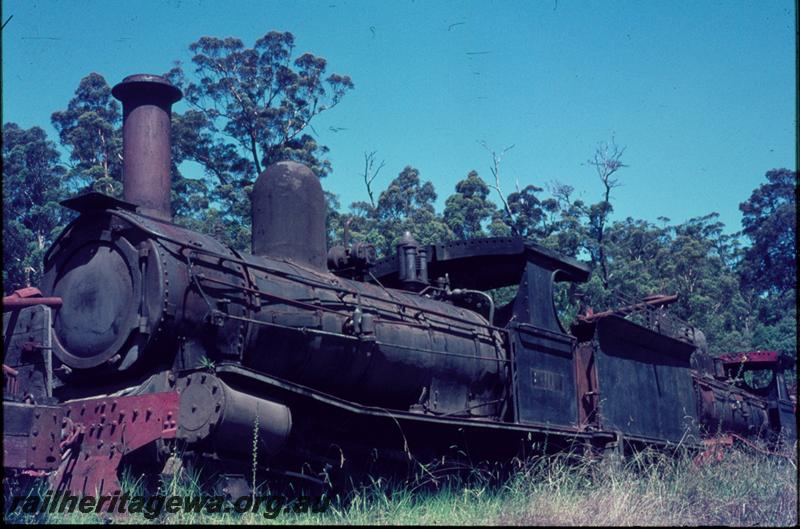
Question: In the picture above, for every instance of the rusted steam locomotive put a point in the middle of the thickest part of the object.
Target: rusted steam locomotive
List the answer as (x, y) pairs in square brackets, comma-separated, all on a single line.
[(152, 337)]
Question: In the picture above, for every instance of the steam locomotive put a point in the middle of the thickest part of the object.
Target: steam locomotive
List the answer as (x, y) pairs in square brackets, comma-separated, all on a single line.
[(147, 337)]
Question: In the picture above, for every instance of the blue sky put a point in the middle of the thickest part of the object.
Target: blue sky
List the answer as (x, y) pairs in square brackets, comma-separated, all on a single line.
[(701, 93)]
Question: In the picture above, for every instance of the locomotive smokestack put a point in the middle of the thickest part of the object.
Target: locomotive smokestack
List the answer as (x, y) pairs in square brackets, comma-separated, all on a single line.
[(146, 108), (289, 215)]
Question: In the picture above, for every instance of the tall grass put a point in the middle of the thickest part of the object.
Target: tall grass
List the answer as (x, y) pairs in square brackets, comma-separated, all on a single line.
[(744, 489)]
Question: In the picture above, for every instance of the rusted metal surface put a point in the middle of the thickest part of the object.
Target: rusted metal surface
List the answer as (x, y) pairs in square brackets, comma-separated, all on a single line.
[(588, 393), (716, 447), (27, 353), (12, 303), (645, 381), (370, 345), (648, 302), (344, 337), (97, 273), (28, 297), (354, 336), (747, 394), (713, 450), (352, 262), (212, 410), (31, 436), (544, 388), (288, 213), (725, 408), (753, 357), (102, 430), (146, 106)]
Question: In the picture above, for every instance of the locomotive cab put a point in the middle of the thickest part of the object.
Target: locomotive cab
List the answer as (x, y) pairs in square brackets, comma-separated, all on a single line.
[(758, 379)]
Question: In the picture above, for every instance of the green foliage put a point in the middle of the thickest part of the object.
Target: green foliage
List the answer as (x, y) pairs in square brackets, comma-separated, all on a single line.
[(469, 208), (33, 184), (774, 324), (692, 260), (206, 363), (768, 266), (405, 196), (530, 217), (251, 107), (769, 220), (90, 130), (406, 205), (261, 99)]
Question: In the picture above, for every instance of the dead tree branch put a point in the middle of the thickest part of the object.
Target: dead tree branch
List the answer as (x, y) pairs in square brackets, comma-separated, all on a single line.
[(607, 161), (495, 169), (370, 173)]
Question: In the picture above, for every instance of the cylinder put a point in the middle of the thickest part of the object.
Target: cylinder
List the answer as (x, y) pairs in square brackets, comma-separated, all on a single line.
[(146, 108), (231, 419), (289, 210)]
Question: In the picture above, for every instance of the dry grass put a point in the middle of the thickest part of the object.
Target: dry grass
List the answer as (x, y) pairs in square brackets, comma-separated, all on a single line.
[(744, 489)]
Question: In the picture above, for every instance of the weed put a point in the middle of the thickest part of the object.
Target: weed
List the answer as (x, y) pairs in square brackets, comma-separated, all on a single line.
[(647, 488)]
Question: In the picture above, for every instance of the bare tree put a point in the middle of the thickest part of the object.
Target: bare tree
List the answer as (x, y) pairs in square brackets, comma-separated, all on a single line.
[(370, 173), (495, 169), (607, 160), (562, 193)]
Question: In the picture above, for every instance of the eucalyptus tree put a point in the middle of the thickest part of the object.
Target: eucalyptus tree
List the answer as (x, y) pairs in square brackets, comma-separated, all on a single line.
[(33, 184)]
